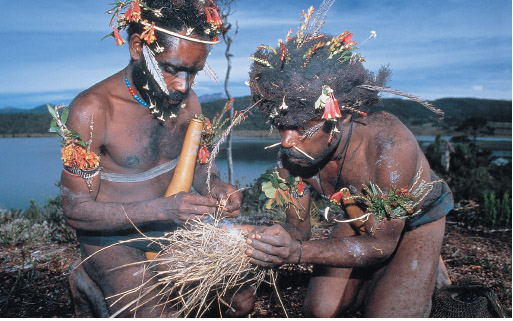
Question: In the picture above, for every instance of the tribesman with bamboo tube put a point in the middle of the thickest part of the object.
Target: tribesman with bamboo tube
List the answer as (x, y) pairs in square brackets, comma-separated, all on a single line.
[(383, 256), (136, 121)]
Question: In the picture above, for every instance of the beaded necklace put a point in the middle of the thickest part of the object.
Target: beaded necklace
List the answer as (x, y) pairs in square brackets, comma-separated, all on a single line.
[(136, 97)]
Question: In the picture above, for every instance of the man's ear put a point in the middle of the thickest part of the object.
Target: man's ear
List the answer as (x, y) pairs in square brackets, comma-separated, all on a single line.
[(135, 47)]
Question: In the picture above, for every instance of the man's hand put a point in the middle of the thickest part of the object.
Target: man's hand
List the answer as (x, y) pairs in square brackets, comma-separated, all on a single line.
[(273, 245), (227, 196), (183, 206)]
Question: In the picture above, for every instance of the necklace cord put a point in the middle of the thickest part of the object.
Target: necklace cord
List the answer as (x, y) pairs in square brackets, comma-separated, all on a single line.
[(339, 156)]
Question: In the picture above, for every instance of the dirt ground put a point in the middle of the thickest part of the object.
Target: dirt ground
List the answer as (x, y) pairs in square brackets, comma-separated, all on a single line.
[(40, 289)]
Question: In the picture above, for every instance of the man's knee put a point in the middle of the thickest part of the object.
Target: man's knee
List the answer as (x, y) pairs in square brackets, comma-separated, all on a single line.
[(87, 297), (326, 307)]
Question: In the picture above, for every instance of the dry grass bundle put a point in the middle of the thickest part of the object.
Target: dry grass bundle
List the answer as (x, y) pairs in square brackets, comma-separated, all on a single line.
[(202, 258)]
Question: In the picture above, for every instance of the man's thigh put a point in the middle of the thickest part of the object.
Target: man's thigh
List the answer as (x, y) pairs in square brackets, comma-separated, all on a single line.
[(330, 289), (117, 271), (404, 287)]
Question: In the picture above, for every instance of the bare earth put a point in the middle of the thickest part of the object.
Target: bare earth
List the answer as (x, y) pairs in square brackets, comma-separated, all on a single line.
[(41, 288)]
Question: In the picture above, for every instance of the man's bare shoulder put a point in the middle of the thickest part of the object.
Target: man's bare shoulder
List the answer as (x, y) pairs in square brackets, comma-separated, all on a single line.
[(383, 126), (92, 105)]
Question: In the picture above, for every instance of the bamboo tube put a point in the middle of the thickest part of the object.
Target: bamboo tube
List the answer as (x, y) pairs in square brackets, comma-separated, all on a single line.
[(184, 172), (352, 209)]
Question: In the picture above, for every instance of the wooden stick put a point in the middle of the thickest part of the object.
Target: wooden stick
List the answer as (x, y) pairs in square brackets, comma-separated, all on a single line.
[(273, 145), (299, 150)]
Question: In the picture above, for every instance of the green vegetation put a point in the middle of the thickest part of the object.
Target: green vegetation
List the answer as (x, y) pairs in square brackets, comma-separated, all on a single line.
[(458, 110), (472, 176), (36, 225)]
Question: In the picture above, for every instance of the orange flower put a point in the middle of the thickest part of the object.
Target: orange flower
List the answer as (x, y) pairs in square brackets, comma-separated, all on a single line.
[(331, 109), (119, 40), (149, 33), (203, 155), (134, 12), (76, 156)]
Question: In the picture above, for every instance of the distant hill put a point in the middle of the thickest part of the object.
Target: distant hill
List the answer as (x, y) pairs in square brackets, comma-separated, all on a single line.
[(36, 110), (409, 112), (15, 121)]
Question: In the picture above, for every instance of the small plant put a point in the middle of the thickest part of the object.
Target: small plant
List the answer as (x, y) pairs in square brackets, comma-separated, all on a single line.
[(497, 211)]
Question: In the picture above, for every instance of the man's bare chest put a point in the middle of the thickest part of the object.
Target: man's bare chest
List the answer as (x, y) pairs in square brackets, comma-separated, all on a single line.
[(140, 146)]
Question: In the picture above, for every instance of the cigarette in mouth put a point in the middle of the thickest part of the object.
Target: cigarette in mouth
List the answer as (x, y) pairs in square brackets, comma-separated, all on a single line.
[(299, 150)]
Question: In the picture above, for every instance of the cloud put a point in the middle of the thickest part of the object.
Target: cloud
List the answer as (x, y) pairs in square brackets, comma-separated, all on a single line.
[(477, 88)]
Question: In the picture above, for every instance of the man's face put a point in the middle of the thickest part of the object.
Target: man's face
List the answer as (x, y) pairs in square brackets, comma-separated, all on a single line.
[(313, 140), (179, 63)]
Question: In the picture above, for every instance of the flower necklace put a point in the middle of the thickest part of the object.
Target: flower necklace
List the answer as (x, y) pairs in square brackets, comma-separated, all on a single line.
[(134, 95)]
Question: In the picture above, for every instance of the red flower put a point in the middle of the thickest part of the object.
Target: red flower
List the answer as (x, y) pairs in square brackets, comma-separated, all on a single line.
[(203, 155), (119, 40), (213, 16), (331, 109), (134, 12), (336, 198), (348, 38), (300, 188)]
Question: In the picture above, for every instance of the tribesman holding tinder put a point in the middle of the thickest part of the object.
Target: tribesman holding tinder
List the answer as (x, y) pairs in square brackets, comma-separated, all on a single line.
[(383, 256), (123, 138)]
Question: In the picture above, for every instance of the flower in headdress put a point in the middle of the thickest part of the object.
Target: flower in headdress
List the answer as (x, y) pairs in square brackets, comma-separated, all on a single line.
[(213, 16), (119, 40), (203, 155), (348, 38), (149, 33), (330, 104), (331, 109), (134, 12)]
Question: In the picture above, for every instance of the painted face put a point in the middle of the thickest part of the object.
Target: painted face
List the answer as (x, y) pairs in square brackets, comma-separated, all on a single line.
[(312, 140), (179, 63)]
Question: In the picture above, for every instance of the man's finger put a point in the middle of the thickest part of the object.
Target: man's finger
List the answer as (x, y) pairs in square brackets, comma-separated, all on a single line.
[(274, 240)]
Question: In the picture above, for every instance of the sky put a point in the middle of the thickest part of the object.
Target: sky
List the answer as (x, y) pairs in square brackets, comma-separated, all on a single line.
[(52, 50)]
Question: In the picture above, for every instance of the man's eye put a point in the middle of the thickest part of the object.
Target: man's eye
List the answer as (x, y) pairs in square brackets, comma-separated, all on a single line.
[(171, 70)]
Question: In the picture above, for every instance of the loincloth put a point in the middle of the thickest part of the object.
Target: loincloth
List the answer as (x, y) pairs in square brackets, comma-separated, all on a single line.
[(437, 204), (135, 240)]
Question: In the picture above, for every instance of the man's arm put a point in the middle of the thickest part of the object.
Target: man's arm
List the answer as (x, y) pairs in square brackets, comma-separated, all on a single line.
[(81, 208), (277, 246)]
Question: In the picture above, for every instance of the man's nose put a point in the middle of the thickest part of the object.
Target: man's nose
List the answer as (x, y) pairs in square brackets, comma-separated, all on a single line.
[(182, 83), (289, 138)]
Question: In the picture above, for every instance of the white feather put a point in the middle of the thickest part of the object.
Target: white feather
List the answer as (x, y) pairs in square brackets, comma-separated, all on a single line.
[(154, 69), (211, 73)]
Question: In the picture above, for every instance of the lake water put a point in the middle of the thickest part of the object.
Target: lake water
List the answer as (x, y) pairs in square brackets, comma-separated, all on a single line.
[(30, 167)]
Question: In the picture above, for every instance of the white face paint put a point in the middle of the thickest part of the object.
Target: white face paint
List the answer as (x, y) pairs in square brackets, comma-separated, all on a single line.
[(354, 248), (414, 264), (394, 176)]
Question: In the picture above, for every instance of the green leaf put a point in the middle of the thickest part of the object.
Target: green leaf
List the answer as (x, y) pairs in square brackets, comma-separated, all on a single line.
[(52, 111), (54, 129), (262, 197), (83, 144), (74, 134), (64, 116), (283, 186)]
